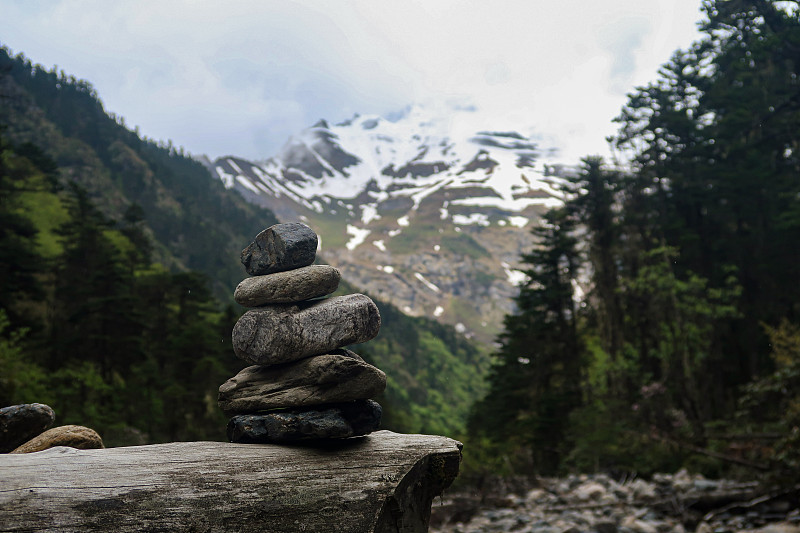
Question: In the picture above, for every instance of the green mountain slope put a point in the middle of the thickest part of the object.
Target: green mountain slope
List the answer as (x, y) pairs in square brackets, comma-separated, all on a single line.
[(194, 222), (434, 374)]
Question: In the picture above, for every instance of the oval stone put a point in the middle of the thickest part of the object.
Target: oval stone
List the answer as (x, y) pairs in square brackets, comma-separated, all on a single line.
[(282, 333), (286, 287), (79, 437)]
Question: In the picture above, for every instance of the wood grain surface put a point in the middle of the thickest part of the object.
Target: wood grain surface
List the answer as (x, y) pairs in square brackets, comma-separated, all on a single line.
[(382, 482)]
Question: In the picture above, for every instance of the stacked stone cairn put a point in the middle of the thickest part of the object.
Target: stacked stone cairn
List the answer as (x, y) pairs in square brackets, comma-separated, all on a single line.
[(304, 385)]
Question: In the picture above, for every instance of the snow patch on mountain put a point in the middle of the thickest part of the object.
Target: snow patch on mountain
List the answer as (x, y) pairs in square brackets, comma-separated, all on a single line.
[(515, 277), (518, 222), (359, 235), (474, 218), (427, 283)]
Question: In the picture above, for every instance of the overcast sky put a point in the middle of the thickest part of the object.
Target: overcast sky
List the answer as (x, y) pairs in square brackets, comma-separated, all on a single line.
[(239, 77)]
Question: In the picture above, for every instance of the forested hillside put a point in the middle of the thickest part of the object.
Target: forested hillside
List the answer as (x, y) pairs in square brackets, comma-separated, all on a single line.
[(191, 220), (685, 347), (433, 373), (91, 326)]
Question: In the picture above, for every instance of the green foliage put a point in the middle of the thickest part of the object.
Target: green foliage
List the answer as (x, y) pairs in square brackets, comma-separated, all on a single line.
[(607, 438), (716, 146), (636, 333), (18, 260), (773, 401), (683, 314), (21, 379), (433, 373), (109, 339)]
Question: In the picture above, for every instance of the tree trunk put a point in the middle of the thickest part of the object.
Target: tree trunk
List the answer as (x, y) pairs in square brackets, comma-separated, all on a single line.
[(382, 482)]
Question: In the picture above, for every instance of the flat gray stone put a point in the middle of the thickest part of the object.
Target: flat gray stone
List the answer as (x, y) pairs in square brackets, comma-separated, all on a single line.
[(20, 423), (286, 287), (320, 379), (283, 333), (335, 421), (280, 247)]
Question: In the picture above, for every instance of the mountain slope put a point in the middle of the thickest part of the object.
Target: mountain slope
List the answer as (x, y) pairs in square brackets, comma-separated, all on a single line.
[(430, 218), (196, 224)]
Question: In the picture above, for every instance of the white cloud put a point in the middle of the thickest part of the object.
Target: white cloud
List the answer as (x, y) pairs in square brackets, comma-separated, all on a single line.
[(239, 77)]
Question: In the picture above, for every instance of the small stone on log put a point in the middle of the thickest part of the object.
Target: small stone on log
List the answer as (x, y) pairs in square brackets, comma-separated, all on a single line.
[(78, 437), (20, 423), (287, 332), (321, 379), (333, 421), (280, 247), (287, 287)]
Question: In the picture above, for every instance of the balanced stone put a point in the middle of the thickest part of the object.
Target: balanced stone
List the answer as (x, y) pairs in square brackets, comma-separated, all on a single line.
[(79, 437), (315, 380), (335, 421), (287, 287), (288, 332), (280, 247), (20, 423)]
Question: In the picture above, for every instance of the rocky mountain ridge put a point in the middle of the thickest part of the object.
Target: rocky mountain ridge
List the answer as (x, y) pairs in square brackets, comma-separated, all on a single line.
[(418, 211)]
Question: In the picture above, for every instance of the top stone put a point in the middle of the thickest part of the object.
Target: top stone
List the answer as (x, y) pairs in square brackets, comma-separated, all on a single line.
[(280, 247)]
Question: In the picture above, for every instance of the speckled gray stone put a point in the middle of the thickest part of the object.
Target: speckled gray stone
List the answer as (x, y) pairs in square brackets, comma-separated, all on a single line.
[(320, 379), (20, 423), (282, 333), (280, 247), (286, 287), (334, 421)]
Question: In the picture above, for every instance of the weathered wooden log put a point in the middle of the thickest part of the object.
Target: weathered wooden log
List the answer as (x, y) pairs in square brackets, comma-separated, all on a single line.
[(379, 483)]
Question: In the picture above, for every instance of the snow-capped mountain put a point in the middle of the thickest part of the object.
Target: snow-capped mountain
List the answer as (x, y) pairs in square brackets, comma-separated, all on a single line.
[(417, 211)]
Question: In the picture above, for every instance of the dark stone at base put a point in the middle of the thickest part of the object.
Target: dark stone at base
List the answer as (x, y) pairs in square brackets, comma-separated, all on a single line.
[(280, 247), (332, 421), (20, 423)]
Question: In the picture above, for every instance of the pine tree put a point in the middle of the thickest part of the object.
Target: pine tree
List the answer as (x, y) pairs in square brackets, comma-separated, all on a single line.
[(535, 382), (94, 309), (715, 145), (20, 261)]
